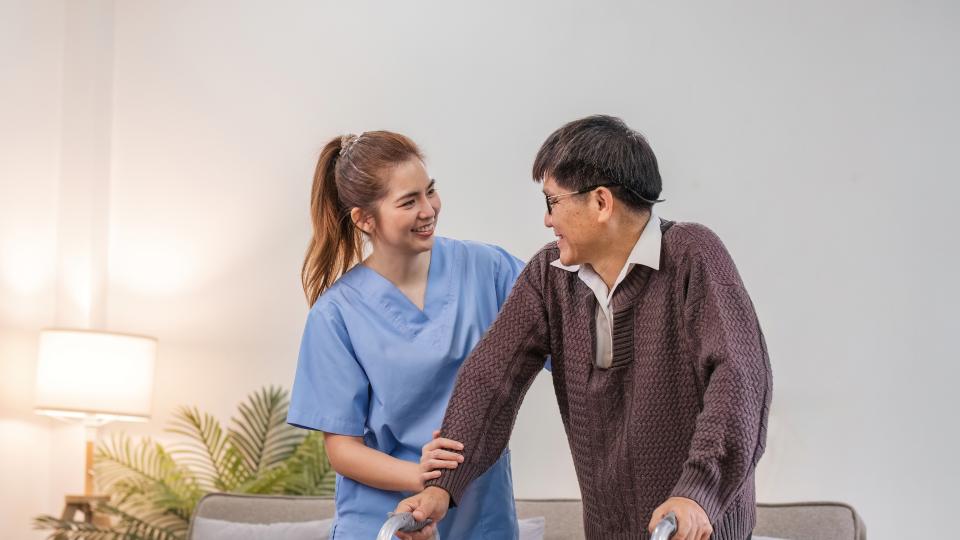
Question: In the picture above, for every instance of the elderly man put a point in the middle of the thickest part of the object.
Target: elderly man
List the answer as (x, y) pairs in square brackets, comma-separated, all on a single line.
[(659, 365)]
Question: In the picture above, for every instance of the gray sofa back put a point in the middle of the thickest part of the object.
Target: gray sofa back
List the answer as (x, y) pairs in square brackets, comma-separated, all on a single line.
[(810, 521), (794, 521)]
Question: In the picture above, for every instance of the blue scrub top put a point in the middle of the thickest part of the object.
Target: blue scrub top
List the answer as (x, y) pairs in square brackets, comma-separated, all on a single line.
[(374, 365)]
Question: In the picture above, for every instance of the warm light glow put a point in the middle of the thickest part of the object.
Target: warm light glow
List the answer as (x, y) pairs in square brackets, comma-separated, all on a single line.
[(97, 419), (25, 262), (75, 275), (154, 260), (97, 376)]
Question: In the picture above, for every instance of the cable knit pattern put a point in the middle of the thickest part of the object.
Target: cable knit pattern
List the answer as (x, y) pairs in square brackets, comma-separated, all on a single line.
[(682, 410)]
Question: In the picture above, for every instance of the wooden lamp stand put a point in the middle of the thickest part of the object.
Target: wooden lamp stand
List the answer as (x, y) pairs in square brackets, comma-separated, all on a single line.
[(87, 503)]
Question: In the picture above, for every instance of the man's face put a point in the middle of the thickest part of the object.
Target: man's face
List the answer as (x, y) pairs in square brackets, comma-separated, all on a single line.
[(572, 221)]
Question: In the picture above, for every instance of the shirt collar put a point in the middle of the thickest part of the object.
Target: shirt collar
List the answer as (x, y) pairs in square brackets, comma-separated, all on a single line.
[(646, 251)]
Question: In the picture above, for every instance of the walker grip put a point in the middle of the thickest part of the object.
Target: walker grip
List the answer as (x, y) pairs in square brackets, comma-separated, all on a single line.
[(402, 522), (665, 529)]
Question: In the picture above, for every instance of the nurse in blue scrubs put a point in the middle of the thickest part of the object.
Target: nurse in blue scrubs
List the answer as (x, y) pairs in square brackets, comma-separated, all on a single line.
[(386, 335)]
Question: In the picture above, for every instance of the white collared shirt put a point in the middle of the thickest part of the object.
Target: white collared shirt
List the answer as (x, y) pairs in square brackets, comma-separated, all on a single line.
[(646, 252)]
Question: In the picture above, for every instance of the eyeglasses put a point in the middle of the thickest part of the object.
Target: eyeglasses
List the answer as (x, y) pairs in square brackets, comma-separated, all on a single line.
[(552, 199)]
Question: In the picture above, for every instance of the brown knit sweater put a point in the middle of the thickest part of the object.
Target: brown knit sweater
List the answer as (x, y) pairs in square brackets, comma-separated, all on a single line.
[(682, 411)]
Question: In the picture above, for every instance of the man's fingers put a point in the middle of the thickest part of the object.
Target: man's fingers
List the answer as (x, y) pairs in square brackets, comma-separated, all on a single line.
[(692, 522), (430, 475), (421, 506), (655, 519), (425, 533), (684, 527), (422, 510)]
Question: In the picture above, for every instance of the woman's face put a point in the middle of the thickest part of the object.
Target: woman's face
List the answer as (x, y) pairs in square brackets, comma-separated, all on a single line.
[(406, 217)]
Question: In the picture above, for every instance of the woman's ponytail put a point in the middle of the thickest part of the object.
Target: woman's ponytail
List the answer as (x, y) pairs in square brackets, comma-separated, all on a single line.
[(336, 244)]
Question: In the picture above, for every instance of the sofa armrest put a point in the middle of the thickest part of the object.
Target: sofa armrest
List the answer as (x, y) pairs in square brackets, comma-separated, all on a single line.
[(810, 521)]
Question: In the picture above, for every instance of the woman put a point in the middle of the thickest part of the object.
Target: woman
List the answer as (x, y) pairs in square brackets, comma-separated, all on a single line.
[(385, 336)]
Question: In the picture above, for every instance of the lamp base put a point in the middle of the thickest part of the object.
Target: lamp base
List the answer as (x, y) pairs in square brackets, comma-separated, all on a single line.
[(86, 504)]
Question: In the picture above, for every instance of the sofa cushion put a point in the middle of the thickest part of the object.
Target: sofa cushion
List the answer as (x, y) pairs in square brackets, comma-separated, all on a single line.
[(809, 521), (217, 529), (563, 517), (532, 528)]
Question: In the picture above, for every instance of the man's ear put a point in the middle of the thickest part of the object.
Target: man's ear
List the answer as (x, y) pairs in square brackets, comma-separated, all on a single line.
[(362, 220), (603, 199)]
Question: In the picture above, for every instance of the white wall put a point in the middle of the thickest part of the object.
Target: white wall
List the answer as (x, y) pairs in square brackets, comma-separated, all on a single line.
[(814, 138), (31, 53)]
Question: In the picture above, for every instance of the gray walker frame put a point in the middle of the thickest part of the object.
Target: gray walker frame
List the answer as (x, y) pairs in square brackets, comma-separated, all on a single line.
[(405, 522)]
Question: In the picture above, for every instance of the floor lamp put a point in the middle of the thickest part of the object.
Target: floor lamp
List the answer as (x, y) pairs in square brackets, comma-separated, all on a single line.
[(94, 378)]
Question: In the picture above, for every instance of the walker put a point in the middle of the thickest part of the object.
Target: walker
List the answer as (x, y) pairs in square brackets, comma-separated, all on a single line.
[(404, 522)]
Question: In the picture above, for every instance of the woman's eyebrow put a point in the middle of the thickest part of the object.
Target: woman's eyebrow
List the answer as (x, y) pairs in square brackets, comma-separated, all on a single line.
[(414, 193)]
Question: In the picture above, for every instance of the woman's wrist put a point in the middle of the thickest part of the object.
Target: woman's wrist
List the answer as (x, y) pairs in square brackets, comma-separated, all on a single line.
[(416, 478)]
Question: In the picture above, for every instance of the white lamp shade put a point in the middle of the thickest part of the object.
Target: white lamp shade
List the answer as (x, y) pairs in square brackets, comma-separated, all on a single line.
[(101, 375)]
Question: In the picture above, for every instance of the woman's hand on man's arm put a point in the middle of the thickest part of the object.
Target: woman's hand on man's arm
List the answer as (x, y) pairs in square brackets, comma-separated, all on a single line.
[(352, 458), (439, 454)]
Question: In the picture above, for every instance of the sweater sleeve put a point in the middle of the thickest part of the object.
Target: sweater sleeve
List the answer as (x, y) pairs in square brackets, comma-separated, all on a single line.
[(730, 357), (494, 378)]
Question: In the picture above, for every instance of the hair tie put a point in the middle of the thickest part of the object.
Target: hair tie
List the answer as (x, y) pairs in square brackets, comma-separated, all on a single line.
[(347, 142)]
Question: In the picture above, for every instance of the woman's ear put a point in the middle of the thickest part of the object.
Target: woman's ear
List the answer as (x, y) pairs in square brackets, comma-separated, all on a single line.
[(362, 220)]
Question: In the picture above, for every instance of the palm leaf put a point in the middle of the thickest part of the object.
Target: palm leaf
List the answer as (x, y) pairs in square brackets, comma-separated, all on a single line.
[(137, 524), (206, 450), (149, 471), (156, 499), (74, 530), (126, 527), (118, 458), (270, 481), (261, 434)]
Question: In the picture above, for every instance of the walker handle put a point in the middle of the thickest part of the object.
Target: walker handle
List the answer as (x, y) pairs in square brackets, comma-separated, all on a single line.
[(402, 521), (666, 527)]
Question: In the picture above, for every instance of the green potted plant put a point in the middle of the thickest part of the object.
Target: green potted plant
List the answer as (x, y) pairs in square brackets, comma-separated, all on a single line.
[(153, 490)]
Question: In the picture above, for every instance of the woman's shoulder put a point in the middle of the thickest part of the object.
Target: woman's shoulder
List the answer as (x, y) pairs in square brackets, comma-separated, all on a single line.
[(338, 296), (475, 252)]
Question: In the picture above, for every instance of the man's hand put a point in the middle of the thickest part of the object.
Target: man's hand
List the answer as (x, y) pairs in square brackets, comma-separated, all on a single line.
[(431, 503), (692, 521)]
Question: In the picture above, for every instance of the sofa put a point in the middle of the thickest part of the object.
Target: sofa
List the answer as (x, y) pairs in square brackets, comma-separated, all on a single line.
[(792, 521)]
